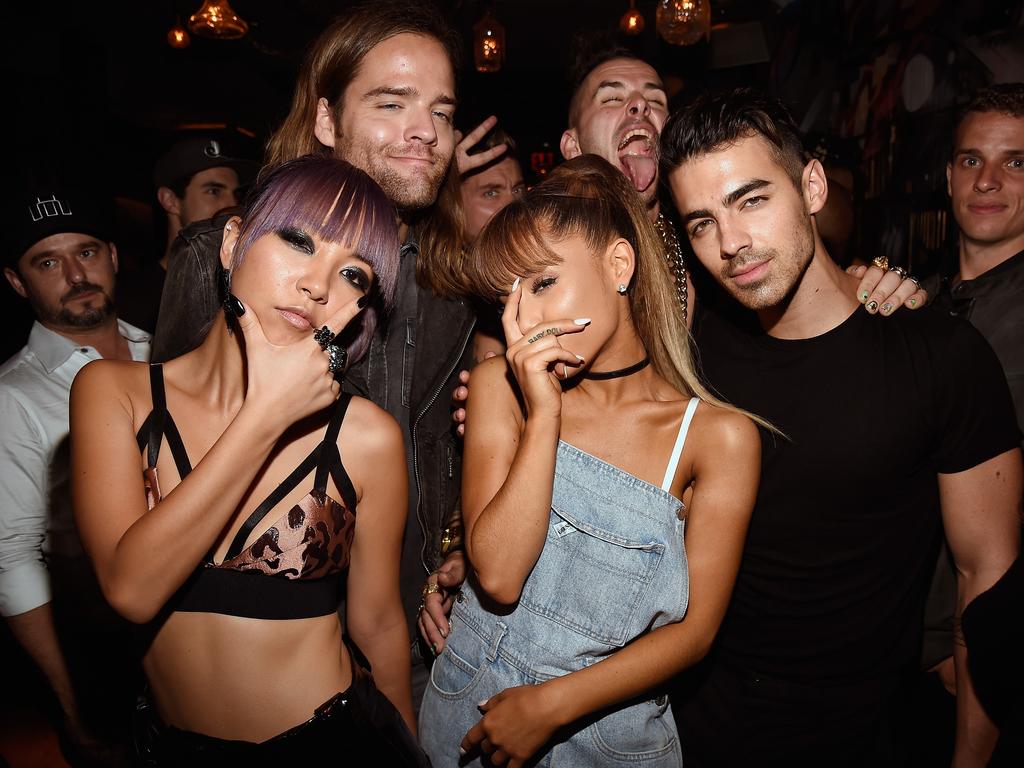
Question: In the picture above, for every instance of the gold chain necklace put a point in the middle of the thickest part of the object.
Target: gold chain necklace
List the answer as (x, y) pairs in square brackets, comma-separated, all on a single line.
[(674, 254)]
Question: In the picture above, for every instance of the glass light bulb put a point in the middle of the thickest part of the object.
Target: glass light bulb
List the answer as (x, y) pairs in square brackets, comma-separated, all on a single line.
[(684, 22), (177, 37), (488, 44), (632, 21)]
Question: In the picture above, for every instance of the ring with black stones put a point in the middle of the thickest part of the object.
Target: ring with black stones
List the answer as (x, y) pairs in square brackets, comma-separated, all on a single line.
[(323, 336), (899, 271), (914, 280), (337, 357)]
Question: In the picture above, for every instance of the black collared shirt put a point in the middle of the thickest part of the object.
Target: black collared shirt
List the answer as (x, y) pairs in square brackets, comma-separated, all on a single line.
[(993, 302)]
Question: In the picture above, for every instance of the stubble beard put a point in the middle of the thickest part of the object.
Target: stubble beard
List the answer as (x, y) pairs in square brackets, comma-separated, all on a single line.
[(781, 282), (408, 194), (83, 320)]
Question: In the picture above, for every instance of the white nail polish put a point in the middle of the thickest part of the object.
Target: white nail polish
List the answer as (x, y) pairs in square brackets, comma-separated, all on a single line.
[(580, 358), (581, 321), (515, 285)]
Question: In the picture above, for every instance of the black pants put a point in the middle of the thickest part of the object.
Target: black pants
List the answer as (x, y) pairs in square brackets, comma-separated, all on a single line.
[(731, 718), (357, 727)]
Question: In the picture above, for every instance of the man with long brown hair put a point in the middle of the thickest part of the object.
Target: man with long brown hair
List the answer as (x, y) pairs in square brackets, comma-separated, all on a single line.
[(378, 89)]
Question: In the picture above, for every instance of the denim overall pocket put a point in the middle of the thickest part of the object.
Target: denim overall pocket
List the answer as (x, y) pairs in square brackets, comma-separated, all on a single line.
[(459, 667), (592, 580)]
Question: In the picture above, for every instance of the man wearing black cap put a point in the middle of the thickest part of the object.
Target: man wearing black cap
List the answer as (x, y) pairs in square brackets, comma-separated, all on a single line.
[(194, 180), (61, 260)]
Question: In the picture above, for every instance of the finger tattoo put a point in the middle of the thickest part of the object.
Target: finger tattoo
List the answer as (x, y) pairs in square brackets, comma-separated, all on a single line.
[(542, 334)]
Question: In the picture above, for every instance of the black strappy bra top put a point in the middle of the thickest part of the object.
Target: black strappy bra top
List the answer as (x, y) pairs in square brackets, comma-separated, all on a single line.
[(293, 570)]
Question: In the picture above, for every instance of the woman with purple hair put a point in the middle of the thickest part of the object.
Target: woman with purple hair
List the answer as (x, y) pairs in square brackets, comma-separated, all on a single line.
[(222, 494)]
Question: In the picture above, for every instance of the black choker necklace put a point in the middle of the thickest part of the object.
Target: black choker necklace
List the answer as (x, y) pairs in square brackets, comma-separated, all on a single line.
[(601, 375)]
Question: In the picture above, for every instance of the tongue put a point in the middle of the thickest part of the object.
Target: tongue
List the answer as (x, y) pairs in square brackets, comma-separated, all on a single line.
[(639, 169)]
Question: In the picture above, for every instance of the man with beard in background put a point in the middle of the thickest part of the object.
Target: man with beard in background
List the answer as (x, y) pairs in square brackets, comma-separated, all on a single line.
[(59, 257)]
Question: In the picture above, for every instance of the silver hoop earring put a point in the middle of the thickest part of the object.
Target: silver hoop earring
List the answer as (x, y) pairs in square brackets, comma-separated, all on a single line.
[(622, 288)]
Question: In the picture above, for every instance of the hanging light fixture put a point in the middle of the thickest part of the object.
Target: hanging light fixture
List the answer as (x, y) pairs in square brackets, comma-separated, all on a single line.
[(632, 21), (216, 18), (488, 43), (177, 36), (684, 22)]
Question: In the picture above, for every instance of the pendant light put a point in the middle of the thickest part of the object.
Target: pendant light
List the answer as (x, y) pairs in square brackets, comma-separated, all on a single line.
[(177, 36), (217, 19), (684, 22), (488, 43), (632, 21)]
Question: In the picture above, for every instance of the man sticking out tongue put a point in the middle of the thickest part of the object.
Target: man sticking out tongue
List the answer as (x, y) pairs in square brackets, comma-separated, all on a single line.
[(638, 157)]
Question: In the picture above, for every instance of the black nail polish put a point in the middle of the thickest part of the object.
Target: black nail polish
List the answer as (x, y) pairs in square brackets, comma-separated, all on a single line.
[(363, 301), (235, 305)]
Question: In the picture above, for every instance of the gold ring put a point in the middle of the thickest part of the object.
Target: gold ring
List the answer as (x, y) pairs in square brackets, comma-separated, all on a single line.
[(430, 588), (882, 262), (899, 271)]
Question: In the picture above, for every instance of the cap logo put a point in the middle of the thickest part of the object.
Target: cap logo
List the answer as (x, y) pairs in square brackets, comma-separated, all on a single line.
[(212, 148), (47, 208)]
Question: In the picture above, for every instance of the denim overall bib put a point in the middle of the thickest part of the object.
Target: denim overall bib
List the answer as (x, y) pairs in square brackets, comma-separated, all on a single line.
[(613, 568)]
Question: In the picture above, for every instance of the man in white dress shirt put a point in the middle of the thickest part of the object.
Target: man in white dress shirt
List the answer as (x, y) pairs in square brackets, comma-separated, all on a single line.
[(58, 256)]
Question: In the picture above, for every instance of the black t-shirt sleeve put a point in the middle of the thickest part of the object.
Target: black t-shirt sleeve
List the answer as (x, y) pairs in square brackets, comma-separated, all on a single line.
[(977, 419)]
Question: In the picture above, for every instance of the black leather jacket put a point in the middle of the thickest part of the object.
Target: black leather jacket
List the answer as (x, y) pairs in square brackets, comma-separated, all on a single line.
[(443, 332)]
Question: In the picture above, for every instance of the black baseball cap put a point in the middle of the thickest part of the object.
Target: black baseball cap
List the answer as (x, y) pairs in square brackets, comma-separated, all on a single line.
[(188, 157), (52, 210)]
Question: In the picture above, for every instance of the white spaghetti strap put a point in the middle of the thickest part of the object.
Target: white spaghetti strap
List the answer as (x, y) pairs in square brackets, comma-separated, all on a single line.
[(677, 451)]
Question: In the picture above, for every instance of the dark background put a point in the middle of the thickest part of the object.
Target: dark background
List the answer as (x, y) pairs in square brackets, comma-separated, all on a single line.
[(94, 93)]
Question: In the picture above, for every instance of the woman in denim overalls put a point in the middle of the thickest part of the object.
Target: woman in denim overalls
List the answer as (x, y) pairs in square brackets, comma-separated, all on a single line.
[(572, 620)]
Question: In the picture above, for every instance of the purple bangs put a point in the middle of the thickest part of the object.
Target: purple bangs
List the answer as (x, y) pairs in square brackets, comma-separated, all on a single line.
[(338, 202)]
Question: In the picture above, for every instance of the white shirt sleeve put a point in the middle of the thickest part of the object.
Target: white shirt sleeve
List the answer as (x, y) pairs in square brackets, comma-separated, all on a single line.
[(24, 581)]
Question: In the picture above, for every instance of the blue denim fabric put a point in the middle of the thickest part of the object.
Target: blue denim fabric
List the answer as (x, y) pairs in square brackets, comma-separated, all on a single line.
[(613, 567)]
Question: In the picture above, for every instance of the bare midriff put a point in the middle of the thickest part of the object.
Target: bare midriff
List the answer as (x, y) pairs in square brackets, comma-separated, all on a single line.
[(244, 679)]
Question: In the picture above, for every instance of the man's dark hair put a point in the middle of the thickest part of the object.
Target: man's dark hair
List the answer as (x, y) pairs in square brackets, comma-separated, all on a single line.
[(591, 50), (497, 135), (1007, 98), (178, 186), (714, 121)]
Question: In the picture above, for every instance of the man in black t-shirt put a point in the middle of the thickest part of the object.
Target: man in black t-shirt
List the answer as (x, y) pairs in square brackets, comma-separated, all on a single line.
[(877, 431)]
